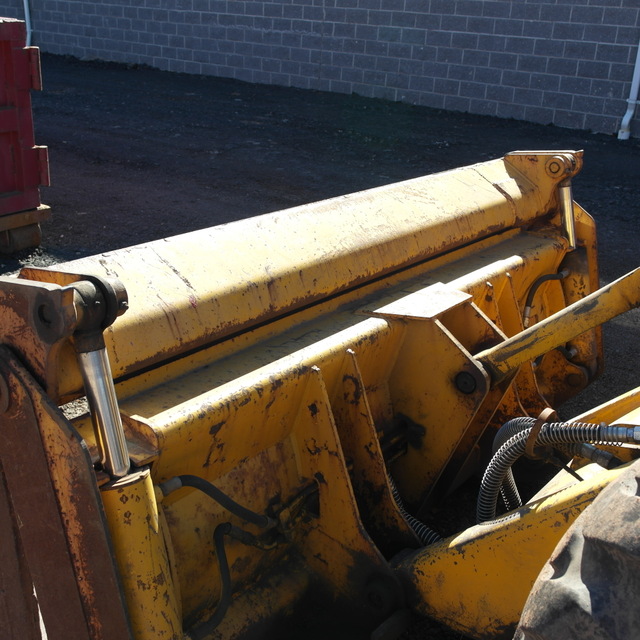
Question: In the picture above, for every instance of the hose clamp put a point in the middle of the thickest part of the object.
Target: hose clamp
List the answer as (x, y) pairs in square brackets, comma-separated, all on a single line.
[(532, 438)]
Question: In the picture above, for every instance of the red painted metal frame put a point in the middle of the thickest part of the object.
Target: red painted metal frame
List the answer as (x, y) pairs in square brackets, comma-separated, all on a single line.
[(23, 165)]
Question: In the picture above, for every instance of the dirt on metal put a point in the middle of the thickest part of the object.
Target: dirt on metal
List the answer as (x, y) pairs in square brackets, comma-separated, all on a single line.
[(138, 154)]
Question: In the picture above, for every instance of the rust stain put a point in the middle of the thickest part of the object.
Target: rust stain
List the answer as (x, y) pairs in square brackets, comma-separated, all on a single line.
[(216, 447), (142, 585), (216, 427), (312, 447), (353, 396), (276, 382), (244, 401), (371, 449), (270, 403), (159, 579)]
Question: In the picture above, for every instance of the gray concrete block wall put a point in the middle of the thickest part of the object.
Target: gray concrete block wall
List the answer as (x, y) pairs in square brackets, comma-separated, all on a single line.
[(567, 62)]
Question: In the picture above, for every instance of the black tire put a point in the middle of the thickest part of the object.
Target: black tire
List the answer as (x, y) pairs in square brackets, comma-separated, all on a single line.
[(590, 587)]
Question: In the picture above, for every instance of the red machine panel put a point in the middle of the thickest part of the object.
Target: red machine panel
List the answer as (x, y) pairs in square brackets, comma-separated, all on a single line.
[(23, 165)]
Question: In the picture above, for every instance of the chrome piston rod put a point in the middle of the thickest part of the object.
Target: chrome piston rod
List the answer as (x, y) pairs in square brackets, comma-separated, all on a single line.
[(103, 403), (97, 303), (568, 216)]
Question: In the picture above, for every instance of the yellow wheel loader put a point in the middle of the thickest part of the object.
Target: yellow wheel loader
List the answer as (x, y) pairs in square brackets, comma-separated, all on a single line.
[(260, 430)]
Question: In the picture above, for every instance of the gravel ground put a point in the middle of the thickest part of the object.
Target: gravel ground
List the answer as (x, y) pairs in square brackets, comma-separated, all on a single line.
[(138, 154)]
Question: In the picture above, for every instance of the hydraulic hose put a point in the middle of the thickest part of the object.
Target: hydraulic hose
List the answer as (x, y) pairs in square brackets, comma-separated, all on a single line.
[(509, 490), (557, 433), (425, 534), (561, 275), (605, 459), (220, 497), (204, 630), (226, 528)]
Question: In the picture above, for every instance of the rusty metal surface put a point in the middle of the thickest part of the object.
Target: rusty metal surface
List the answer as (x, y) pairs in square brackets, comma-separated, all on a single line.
[(142, 557), (241, 419), (52, 489), (259, 466), (356, 428), (296, 359), (198, 288), (587, 313), (37, 320), (18, 606), (477, 581)]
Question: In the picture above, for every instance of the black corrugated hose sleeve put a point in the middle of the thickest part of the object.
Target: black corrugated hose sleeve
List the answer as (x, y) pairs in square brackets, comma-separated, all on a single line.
[(425, 534), (509, 489), (514, 447)]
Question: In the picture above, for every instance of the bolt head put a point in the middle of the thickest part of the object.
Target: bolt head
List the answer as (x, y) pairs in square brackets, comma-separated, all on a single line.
[(465, 382)]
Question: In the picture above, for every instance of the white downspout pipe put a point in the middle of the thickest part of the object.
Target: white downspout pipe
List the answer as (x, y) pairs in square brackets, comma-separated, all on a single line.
[(27, 20), (625, 126)]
